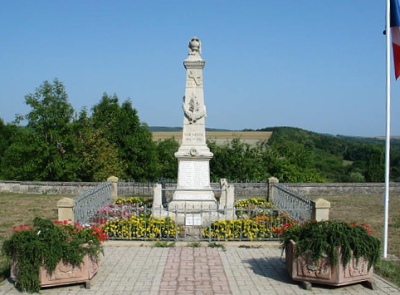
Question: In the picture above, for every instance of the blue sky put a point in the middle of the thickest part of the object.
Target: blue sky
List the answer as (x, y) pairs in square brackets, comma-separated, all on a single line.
[(316, 65)]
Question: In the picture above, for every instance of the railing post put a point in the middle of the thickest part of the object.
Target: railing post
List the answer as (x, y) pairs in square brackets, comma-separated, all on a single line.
[(163, 193), (114, 189), (271, 189), (230, 201), (65, 208), (157, 201), (321, 209)]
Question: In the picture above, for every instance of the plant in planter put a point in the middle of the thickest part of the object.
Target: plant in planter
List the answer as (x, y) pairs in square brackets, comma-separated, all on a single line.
[(46, 244), (330, 252)]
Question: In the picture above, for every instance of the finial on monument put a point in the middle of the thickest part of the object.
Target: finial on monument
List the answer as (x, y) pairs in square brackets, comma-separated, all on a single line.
[(195, 46)]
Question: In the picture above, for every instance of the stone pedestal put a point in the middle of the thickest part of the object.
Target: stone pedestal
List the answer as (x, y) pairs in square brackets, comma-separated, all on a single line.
[(194, 193)]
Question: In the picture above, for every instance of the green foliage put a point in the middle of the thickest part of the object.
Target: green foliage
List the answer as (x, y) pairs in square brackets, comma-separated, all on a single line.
[(58, 145), (43, 150), (325, 237), (298, 154), (46, 244), (98, 157), (164, 244), (168, 164), (134, 140), (217, 245), (237, 161), (194, 244), (375, 165), (7, 132)]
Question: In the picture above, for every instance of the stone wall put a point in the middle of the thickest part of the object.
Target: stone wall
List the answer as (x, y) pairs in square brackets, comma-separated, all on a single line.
[(330, 189), (43, 187), (242, 190)]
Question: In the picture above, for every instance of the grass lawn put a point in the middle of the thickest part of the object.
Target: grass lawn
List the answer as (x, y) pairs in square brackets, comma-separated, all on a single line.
[(17, 209)]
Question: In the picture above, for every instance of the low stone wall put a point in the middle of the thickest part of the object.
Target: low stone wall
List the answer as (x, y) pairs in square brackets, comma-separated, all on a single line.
[(43, 187), (331, 189), (242, 190)]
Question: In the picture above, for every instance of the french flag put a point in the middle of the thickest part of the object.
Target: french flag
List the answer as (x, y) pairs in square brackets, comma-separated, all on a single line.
[(395, 31)]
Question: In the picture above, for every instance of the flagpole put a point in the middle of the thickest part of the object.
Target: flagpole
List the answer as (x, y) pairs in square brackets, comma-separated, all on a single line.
[(387, 152)]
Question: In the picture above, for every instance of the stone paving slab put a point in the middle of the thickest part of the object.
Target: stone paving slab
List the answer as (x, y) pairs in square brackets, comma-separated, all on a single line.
[(127, 269)]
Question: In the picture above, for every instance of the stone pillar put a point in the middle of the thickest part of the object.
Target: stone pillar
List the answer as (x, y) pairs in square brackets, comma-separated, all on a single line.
[(65, 208), (193, 190), (230, 202), (271, 189), (223, 186), (321, 209), (114, 191), (157, 201)]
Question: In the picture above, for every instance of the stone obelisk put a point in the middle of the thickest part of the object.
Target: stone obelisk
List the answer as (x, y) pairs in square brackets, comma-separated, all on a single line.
[(193, 191)]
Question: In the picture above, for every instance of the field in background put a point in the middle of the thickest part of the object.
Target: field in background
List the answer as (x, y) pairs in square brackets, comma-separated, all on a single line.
[(220, 137)]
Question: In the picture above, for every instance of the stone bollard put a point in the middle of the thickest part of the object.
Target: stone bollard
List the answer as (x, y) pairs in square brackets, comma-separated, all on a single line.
[(65, 208), (271, 189), (157, 201), (321, 209), (114, 190), (224, 186), (230, 202)]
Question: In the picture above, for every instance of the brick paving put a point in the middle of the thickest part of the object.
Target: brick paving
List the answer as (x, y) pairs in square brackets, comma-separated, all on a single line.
[(128, 268), (194, 271)]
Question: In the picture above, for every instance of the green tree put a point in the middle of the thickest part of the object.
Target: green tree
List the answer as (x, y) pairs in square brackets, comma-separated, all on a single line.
[(44, 149), (7, 132), (375, 171), (237, 161), (133, 139), (168, 164), (292, 162), (98, 157)]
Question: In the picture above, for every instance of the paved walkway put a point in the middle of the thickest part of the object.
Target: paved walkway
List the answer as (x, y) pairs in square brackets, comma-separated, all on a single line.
[(128, 269)]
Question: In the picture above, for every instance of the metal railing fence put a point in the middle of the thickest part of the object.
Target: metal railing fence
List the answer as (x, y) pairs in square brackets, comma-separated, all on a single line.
[(299, 207), (88, 203), (134, 222)]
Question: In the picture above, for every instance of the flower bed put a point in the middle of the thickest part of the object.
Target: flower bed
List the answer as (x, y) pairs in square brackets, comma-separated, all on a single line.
[(130, 218), (257, 219), (122, 209), (141, 228)]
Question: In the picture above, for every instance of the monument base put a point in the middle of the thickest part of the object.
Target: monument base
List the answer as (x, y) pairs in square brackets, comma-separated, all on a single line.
[(203, 218), (193, 201)]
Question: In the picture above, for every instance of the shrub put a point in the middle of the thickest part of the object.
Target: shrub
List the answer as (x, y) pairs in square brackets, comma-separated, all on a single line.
[(46, 243)]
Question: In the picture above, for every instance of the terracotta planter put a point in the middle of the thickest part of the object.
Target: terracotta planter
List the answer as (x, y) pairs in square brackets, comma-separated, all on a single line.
[(65, 274), (303, 269)]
